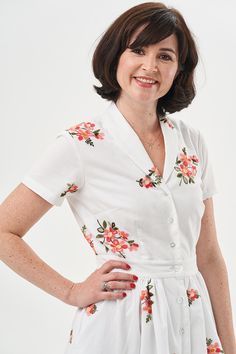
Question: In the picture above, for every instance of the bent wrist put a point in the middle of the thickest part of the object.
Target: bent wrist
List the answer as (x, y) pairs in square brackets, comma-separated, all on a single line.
[(70, 297)]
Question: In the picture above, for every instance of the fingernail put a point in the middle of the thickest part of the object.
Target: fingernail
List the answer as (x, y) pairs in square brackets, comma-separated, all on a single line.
[(135, 277), (124, 294), (128, 266), (132, 285)]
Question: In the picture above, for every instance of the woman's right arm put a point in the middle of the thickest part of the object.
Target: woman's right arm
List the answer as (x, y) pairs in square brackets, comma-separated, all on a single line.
[(18, 213)]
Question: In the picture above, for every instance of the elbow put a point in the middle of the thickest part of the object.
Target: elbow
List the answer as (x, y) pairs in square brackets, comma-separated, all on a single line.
[(211, 260), (6, 239)]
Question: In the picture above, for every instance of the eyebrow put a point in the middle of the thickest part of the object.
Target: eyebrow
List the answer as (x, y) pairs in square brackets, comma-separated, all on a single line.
[(168, 50)]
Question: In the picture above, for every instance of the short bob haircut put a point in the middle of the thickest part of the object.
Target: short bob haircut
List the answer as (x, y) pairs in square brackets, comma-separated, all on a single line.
[(161, 22)]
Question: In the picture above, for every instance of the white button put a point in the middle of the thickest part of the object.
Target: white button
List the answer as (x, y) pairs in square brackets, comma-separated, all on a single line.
[(172, 244), (180, 299), (170, 220), (181, 331), (178, 268)]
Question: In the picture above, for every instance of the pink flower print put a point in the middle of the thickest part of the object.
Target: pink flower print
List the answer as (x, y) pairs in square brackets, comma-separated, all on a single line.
[(85, 131), (146, 300), (115, 240), (213, 347), (186, 167), (109, 233), (134, 247), (89, 125), (146, 182), (72, 188), (184, 159), (152, 179), (124, 235), (91, 309), (195, 158), (118, 246), (192, 295), (194, 170), (88, 236), (167, 120), (98, 135)]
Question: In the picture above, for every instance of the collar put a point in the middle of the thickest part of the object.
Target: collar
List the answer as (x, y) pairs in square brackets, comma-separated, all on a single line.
[(128, 140)]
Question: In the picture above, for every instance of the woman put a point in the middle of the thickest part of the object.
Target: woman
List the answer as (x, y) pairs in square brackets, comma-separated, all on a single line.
[(140, 186)]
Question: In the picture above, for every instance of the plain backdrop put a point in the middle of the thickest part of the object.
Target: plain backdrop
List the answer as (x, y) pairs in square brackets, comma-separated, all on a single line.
[(46, 83)]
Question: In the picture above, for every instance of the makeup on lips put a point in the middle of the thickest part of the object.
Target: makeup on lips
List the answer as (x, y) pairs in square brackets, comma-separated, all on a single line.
[(145, 82)]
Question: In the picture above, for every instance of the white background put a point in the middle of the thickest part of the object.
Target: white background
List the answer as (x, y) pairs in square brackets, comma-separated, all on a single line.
[(46, 83)]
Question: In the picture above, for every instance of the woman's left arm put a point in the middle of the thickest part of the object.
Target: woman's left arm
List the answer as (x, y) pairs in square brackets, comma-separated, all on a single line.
[(212, 266)]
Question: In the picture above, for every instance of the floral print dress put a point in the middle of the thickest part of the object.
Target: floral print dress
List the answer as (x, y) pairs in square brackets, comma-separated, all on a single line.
[(126, 210)]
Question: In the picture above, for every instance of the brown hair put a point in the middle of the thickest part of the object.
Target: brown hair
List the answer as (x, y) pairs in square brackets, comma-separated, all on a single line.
[(161, 23)]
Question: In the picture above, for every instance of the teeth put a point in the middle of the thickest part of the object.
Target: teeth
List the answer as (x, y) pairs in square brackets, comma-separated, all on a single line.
[(145, 80)]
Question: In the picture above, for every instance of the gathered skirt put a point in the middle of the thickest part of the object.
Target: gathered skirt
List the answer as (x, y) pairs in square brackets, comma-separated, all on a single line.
[(169, 312)]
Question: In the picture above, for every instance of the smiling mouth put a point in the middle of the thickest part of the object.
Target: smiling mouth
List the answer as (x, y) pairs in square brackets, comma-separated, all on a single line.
[(145, 84), (146, 81)]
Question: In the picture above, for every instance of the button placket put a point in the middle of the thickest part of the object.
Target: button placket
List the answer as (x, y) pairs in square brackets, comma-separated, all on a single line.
[(170, 220), (165, 190), (180, 299)]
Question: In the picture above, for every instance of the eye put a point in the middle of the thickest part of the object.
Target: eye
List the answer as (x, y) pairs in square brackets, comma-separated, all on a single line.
[(137, 50), (166, 57)]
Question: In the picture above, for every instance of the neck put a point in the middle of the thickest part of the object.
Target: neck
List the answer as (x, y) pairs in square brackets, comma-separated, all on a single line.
[(142, 117)]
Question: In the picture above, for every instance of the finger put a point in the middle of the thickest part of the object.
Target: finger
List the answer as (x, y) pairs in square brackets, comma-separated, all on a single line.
[(111, 264), (120, 276), (113, 285), (111, 295)]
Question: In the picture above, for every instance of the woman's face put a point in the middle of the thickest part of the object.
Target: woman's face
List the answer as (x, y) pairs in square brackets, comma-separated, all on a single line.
[(157, 61)]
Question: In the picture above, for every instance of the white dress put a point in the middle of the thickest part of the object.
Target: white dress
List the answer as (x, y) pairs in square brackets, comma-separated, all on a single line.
[(127, 211)]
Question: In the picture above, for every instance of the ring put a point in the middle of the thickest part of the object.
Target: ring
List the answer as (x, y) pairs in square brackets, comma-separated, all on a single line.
[(105, 286)]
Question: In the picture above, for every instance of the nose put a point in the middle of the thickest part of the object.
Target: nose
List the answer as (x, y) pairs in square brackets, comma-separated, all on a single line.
[(149, 64)]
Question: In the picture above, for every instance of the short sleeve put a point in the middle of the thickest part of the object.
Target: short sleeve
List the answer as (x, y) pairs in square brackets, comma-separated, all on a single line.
[(58, 172), (209, 187)]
